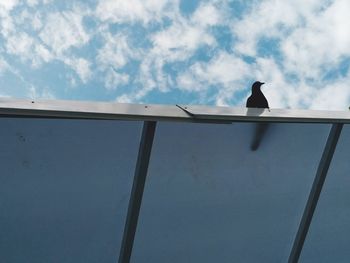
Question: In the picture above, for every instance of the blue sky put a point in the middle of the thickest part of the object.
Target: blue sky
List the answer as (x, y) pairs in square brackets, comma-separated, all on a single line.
[(177, 51)]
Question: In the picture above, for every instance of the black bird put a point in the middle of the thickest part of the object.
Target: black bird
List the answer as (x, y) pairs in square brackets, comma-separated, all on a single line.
[(257, 99)]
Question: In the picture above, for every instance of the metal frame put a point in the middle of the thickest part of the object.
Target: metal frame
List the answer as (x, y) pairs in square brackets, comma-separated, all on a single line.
[(138, 186), (315, 192), (103, 110)]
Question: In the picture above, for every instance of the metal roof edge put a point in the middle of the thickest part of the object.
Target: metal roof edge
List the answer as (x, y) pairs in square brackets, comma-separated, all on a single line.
[(186, 113)]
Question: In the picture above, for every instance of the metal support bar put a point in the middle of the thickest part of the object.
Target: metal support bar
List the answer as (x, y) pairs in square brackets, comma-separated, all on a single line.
[(137, 190), (315, 192)]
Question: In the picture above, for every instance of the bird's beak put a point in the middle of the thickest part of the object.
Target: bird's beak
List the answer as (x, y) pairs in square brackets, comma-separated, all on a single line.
[(262, 83)]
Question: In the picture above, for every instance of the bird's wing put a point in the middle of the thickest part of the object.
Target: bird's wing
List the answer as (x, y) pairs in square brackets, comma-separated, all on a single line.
[(249, 102)]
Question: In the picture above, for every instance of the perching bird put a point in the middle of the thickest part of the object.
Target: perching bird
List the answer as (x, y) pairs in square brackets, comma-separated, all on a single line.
[(257, 99)]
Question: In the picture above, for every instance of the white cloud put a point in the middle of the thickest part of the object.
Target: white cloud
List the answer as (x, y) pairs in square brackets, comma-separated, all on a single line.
[(333, 96), (306, 30), (27, 49), (121, 11), (320, 43), (64, 30), (81, 66), (116, 51), (115, 54), (178, 42), (6, 22), (114, 79), (34, 92), (224, 70), (185, 36), (20, 44), (43, 53), (32, 2), (271, 18), (125, 98), (146, 78), (36, 21), (208, 15), (8, 4)]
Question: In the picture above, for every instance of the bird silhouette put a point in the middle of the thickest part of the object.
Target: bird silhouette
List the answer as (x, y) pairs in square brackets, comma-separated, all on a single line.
[(257, 99)]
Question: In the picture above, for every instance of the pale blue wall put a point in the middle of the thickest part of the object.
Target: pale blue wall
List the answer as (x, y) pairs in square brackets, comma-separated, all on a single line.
[(64, 189), (209, 198)]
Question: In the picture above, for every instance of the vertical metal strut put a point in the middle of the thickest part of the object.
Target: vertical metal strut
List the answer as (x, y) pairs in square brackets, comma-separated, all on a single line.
[(137, 190), (315, 192)]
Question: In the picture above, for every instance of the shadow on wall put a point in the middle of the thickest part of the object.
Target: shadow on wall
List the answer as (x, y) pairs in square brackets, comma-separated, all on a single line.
[(259, 128)]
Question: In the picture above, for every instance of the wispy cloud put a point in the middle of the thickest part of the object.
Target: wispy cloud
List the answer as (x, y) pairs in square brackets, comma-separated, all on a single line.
[(116, 51), (114, 79), (132, 11), (64, 30), (8, 5)]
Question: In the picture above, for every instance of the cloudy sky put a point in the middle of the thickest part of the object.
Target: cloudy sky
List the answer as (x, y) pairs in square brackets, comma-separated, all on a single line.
[(177, 51)]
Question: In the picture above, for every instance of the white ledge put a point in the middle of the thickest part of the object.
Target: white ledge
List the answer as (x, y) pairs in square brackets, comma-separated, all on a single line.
[(186, 113)]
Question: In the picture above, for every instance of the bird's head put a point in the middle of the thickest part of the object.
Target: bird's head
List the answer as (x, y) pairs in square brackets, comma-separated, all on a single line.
[(256, 86)]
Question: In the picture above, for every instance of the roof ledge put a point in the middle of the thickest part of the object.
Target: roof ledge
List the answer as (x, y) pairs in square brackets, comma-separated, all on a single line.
[(184, 113)]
